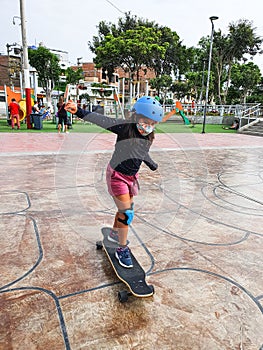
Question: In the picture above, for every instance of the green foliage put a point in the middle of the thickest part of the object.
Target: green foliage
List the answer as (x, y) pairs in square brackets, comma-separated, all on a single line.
[(243, 39), (180, 89), (73, 76), (255, 97), (47, 67), (229, 49), (161, 82), (244, 78), (135, 43), (85, 96), (102, 89)]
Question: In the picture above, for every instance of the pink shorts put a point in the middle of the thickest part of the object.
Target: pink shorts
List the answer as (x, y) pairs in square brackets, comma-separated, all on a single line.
[(119, 183)]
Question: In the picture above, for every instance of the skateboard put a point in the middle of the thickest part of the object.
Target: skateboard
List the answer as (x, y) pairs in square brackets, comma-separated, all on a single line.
[(134, 277)]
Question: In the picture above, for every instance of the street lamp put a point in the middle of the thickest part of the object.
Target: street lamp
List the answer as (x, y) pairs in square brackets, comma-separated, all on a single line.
[(203, 78), (212, 18), (25, 65)]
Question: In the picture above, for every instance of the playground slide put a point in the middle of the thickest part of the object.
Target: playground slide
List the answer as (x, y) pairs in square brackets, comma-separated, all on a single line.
[(22, 112), (185, 119), (180, 109)]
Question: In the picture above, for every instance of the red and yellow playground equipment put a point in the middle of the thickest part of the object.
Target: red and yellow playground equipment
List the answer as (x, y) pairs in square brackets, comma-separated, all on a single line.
[(21, 101)]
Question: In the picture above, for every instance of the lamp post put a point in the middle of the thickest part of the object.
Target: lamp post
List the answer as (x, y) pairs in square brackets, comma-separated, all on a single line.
[(202, 84), (25, 65), (212, 18)]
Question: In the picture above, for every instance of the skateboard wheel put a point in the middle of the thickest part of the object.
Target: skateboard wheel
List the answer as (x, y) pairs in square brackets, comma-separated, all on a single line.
[(152, 288), (99, 245), (123, 296)]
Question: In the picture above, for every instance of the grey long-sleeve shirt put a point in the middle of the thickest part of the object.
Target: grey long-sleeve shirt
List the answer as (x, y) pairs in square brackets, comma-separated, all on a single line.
[(130, 151)]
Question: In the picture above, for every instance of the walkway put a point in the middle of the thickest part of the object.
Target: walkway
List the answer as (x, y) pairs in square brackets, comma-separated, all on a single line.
[(197, 232)]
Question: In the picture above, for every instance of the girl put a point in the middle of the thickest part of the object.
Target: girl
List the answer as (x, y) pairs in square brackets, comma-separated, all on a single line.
[(134, 139)]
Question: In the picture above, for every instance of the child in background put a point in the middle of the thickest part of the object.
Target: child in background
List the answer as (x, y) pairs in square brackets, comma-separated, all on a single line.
[(14, 109)]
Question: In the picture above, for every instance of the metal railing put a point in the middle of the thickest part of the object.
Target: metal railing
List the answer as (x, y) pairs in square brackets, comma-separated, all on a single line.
[(251, 112), (243, 112), (221, 110)]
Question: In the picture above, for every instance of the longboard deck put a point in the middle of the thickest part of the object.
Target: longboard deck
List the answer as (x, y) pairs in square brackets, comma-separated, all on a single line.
[(133, 277)]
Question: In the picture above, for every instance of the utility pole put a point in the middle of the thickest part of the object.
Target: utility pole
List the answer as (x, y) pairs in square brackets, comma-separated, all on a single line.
[(212, 18), (25, 65)]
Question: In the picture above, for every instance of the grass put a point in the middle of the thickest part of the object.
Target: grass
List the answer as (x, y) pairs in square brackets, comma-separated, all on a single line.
[(50, 126), (197, 128), (81, 127)]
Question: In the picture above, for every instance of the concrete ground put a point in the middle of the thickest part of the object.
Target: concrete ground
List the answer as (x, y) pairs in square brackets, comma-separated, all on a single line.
[(197, 233)]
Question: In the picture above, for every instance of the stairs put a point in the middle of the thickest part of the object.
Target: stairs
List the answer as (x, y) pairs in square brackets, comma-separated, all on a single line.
[(255, 128)]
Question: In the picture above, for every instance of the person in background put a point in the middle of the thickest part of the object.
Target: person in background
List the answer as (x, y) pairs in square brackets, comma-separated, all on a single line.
[(42, 109), (234, 126), (14, 113), (62, 115), (35, 108)]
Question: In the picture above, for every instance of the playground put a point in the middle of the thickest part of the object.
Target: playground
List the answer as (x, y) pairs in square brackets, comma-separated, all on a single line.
[(197, 233)]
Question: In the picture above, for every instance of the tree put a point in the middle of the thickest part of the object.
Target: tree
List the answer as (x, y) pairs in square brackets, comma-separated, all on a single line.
[(47, 67), (73, 76), (133, 48), (135, 44), (161, 83), (180, 88), (219, 62), (169, 59), (194, 83), (244, 78), (230, 49), (257, 93)]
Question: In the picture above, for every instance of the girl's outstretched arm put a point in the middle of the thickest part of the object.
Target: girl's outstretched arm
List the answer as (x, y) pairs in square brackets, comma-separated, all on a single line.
[(168, 115), (111, 124)]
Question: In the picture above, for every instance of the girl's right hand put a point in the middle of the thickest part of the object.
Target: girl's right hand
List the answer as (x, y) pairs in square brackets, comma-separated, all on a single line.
[(71, 107)]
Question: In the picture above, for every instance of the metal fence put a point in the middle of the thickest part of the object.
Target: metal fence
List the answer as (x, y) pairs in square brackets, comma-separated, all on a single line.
[(238, 111)]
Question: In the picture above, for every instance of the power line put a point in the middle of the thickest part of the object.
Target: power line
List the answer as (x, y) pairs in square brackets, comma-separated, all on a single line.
[(115, 7)]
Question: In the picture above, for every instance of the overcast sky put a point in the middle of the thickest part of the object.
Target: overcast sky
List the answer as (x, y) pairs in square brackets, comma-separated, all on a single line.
[(68, 25)]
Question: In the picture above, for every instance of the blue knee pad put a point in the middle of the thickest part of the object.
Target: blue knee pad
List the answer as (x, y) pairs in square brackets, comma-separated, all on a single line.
[(129, 215)]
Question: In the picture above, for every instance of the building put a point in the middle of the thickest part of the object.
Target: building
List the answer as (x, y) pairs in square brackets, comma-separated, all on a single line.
[(127, 89), (130, 88), (10, 70)]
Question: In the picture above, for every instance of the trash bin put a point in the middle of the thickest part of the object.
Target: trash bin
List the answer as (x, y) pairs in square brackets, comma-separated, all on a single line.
[(37, 121)]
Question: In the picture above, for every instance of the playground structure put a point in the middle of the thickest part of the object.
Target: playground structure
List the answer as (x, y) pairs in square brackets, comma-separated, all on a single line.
[(178, 109), (107, 96), (9, 94)]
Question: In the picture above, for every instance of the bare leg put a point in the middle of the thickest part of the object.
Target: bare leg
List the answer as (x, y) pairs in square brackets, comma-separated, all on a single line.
[(17, 122), (12, 121), (115, 223)]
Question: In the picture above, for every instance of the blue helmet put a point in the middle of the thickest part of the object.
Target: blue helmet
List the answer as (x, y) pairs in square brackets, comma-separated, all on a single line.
[(148, 107)]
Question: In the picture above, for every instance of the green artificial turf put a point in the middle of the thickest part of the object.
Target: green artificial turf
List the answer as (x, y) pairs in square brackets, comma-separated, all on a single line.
[(81, 127)]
